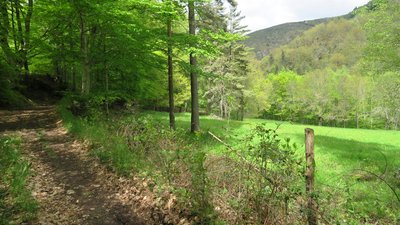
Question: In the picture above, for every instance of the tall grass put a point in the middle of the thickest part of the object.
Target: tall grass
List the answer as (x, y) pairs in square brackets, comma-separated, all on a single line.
[(16, 202)]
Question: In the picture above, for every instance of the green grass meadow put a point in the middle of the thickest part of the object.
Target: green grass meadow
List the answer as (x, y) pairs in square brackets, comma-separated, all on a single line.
[(353, 166)]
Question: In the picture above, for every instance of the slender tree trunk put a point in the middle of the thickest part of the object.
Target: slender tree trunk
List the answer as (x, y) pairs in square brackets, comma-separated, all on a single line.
[(357, 120), (14, 32), (84, 57), (19, 54), (71, 49), (94, 76), (106, 74), (4, 31), (170, 77), (19, 23), (195, 120), (73, 78), (26, 47), (242, 103), (221, 107)]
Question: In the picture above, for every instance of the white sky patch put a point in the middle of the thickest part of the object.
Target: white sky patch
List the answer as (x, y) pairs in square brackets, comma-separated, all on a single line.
[(262, 14)]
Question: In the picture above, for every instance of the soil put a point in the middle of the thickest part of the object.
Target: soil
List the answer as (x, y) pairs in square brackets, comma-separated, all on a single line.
[(73, 187)]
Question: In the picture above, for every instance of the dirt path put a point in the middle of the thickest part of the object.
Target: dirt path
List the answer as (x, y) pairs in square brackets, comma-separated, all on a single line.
[(70, 186)]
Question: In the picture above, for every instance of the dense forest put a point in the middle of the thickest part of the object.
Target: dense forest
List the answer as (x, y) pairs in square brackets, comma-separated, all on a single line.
[(345, 68), (120, 51), (227, 152)]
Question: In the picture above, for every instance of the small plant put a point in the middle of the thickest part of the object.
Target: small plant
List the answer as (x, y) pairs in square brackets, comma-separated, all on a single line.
[(277, 174)]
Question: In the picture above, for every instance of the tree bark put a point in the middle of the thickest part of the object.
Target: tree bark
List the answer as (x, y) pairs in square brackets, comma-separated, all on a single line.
[(4, 31), (16, 46), (19, 23), (84, 57), (106, 75), (242, 103), (26, 47), (195, 120), (357, 119), (170, 77)]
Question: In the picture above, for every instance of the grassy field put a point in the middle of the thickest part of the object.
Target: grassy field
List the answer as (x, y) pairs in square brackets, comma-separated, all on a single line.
[(350, 162)]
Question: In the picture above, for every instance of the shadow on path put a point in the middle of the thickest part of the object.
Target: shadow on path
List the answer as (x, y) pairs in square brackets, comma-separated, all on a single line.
[(68, 184)]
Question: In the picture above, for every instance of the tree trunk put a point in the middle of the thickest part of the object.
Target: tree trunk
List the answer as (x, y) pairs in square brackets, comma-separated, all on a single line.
[(4, 29), (73, 70), (20, 36), (73, 78), (19, 23), (357, 120), (16, 46), (84, 57), (170, 77), (242, 103), (195, 120), (106, 75), (26, 47)]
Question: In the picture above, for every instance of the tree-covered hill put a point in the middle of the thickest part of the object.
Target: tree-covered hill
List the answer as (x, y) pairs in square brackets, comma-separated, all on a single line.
[(344, 71), (263, 41)]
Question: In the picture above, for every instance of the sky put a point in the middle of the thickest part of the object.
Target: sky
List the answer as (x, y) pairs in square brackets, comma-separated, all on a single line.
[(262, 14)]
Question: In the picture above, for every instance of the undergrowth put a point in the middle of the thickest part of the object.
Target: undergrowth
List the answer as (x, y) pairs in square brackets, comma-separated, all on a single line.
[(110, 149), (257, 181), (16, 202), (139, 145), (177, 163)]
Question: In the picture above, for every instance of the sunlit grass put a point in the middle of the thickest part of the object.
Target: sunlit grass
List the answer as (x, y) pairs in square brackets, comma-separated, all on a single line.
[(16, 202), (347, 160)]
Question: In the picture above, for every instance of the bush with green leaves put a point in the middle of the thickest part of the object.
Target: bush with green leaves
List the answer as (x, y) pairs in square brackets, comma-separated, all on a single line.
[(262, 183)]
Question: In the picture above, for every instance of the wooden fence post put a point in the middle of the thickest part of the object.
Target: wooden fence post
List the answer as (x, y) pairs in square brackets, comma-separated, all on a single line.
[(310, 167)]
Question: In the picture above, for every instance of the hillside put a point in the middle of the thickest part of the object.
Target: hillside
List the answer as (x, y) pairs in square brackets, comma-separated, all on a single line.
[(263, 41)]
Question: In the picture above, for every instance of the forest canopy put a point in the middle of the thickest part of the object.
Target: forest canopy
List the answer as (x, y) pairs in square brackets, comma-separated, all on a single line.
[(170, 54)]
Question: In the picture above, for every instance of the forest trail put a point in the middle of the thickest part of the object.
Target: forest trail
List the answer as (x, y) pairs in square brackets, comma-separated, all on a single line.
[(70, 186)]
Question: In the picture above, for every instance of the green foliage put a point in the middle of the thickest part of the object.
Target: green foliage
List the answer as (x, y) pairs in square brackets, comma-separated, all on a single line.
[(264, 41), (140, 144), (277, 183), (387, 98), (112, 150), (16, 202), (200, 192), (383, 33), (225, 87), (333, 44), (9, 95), (348, 73), (345, 192)]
